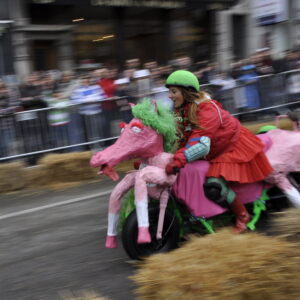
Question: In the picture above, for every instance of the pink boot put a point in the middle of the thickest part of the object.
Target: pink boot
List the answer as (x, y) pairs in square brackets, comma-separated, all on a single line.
[(111, 242), (144, 236)]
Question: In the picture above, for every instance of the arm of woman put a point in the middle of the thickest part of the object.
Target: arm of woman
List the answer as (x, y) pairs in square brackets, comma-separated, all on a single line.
[(209, 120)]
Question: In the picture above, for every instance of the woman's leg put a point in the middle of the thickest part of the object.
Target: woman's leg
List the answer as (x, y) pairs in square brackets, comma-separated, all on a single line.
[(241, 214), (217, 190)]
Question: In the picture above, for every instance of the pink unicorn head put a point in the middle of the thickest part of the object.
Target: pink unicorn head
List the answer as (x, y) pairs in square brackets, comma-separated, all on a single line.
[(148, 134), (136, 141)]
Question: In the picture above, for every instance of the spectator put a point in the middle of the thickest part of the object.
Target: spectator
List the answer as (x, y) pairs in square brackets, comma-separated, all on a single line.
[(155, 77), (280, 64), (223, 89), (109, 106), (91, 121), (266, 57), (200, 73), (165, 71), (48, 85), (151, 65), (202, 76), (67, 83), (142, 83), (128, 73), (59, 118), (133, 63), (159, 90), (262, 61), (106, 82), (8, 106), (31, 122), (208, 73), (65, 86), (184, 62), (236, 71), (123, 104), (293, 86), (292, 60), (224, 80), (212, 71), (251, 91), (31, 92)]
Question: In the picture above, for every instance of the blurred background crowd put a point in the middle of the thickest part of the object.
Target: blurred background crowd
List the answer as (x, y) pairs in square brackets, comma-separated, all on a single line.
[(69, 69), (54, 109)]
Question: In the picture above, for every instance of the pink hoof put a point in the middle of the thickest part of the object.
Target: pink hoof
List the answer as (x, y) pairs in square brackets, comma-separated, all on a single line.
[(144, 235), (111, 242)]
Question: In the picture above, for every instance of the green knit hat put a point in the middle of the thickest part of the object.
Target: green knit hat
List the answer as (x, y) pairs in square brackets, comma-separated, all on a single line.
[(183, 78)]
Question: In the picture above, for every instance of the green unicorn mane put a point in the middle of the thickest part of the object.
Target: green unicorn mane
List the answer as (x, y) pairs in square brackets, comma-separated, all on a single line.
[(162, 120)]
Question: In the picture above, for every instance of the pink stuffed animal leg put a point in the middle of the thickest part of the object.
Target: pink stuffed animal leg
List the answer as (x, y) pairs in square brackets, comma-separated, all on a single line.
[(291, 192), (162, 209), (141, 202), (152, 174), (285, 185), (149, 174), (114, 207)]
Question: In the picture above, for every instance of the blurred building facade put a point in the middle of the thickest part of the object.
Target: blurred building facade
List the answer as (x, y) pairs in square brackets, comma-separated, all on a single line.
[(60, 34), (6, 56), (251, 25)]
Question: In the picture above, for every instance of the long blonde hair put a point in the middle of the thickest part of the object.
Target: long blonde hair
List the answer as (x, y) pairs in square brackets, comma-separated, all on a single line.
[(194, 98)]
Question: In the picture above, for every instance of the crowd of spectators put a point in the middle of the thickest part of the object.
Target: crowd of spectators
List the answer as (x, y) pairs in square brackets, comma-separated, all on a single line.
[(84, 104)]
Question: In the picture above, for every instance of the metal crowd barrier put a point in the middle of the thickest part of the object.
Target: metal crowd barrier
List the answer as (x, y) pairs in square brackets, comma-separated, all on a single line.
[(262, 92), (33, 133), (30, 134)]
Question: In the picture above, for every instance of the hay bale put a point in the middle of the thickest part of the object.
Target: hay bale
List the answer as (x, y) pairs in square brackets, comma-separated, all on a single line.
[(12, 177), (73, 167), (60, 171), (54, 171), (223, 266), (125, 166), (67, 167), (36, 177), (286, 224)]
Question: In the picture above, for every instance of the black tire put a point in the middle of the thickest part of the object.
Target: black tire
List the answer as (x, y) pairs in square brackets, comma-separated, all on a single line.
[(278, 202), (170, 236)]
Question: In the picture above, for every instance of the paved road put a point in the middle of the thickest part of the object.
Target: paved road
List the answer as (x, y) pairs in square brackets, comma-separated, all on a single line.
[(52, 247)]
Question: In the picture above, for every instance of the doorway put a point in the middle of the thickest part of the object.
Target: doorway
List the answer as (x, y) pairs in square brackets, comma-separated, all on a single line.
[(44, 55), (239, 36)]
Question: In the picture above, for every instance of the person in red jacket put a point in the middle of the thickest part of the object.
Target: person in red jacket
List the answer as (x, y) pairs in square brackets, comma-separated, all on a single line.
[(107, 83), (209, 132)]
